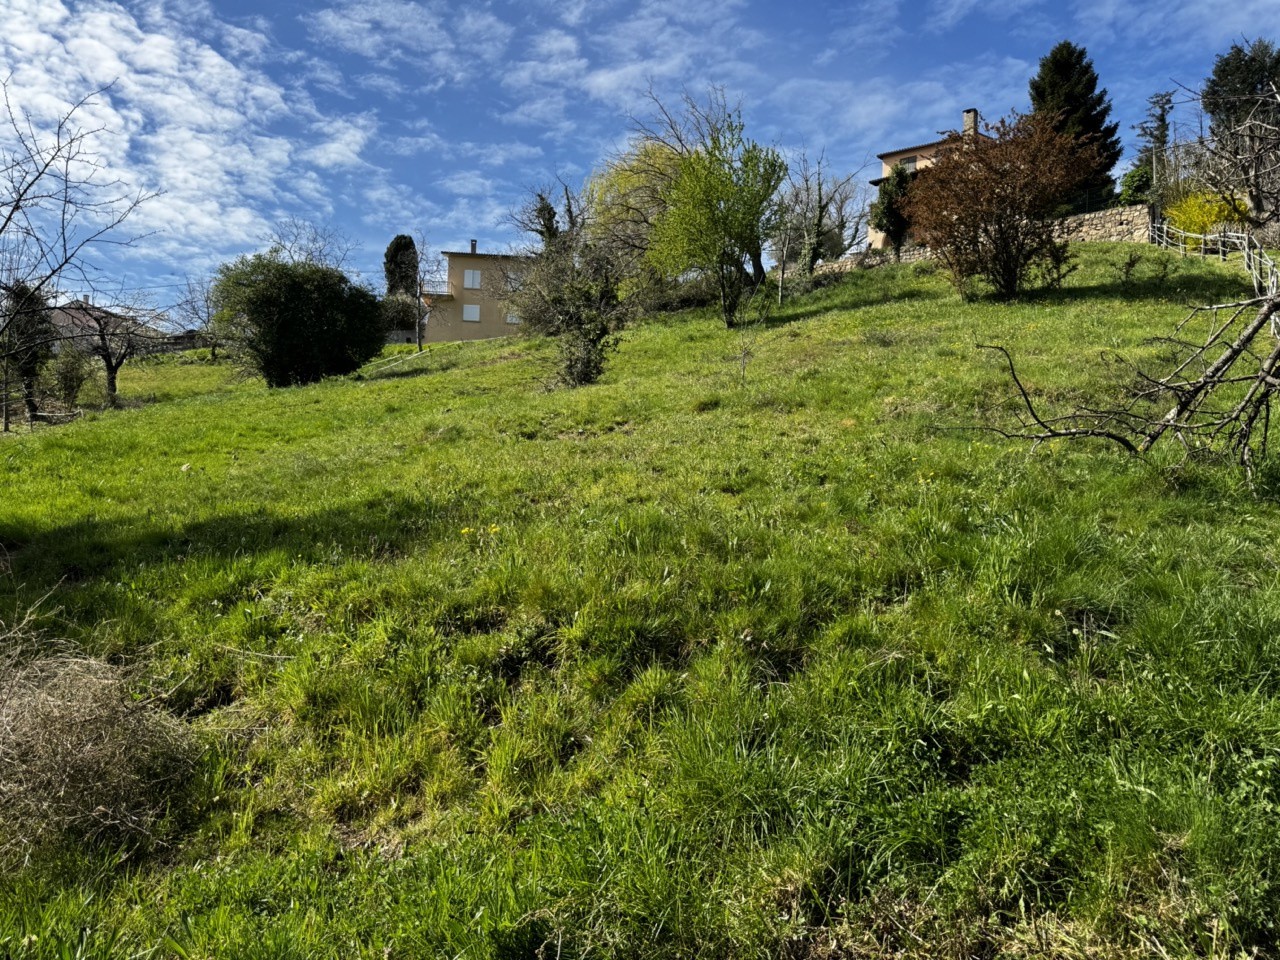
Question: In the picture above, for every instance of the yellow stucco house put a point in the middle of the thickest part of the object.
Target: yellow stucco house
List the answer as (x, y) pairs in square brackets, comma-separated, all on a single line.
[(915, 158), (468, 307)]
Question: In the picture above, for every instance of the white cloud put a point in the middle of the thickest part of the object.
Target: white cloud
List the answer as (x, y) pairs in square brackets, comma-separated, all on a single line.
[(382, 83), (442, 45), (877, 112), (467, 184), (344, 140), (226, 147), (947, 14), (1186, 26)]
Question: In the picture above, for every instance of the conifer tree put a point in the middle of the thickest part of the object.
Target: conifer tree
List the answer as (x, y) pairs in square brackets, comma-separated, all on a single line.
[(1148, 180), (1244, 79), (400, 266), (27, 335), (1242, 100), (1065, 91)]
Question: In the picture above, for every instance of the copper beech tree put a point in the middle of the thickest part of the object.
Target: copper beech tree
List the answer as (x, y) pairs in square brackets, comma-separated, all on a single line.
[(988, 207)]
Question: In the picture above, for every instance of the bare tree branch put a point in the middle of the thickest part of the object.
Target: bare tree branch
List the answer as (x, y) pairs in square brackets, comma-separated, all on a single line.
[(57, 202), (1221, 393)]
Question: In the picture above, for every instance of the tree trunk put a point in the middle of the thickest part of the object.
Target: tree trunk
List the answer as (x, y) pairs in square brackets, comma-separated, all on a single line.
[(29, 399), (112, 370)]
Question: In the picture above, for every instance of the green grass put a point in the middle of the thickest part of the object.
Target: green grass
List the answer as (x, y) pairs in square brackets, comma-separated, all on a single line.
[(749, 650)]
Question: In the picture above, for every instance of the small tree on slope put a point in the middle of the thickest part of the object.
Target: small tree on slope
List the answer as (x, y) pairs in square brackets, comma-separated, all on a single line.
[(987, 207)]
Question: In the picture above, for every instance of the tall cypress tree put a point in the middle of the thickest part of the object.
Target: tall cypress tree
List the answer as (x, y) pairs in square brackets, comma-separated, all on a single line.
[(1066, 91), (26, 338), (400, 265)]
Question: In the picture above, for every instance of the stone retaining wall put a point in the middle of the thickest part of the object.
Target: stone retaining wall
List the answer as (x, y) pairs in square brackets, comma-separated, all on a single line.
[(867, 259), (1131, 224)]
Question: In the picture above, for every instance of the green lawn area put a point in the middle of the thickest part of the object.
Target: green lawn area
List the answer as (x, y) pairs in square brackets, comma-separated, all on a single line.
[(754, 649)]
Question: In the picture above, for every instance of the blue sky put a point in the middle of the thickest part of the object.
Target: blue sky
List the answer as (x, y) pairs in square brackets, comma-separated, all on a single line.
[(435, 117)]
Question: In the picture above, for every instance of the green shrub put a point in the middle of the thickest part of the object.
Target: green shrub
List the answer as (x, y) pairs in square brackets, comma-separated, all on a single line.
[(65, 375), (296, 322)]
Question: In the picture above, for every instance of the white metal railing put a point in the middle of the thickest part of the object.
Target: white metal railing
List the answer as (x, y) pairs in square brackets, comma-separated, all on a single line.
[(1262, 269)]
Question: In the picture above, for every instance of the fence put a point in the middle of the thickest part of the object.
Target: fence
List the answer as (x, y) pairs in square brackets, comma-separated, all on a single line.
[(1262, 269)]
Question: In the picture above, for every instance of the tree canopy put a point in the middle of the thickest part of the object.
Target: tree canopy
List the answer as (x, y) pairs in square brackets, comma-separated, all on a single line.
[(719, 207), (296, 322), (1244, 80), (1065, 93), (400, 266), (624, 199)]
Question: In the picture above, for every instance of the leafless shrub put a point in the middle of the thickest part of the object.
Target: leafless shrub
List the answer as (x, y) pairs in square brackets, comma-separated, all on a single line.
[(80, 757)]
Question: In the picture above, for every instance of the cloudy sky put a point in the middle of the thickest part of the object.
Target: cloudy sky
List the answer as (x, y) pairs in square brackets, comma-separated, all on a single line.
[(435, 117)]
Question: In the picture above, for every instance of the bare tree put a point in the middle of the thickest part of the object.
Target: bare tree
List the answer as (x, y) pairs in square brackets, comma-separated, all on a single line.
[(1242, 157), (823, 216), (295, 240), (58, 202), (433, 272), (112, 335), (195, 310)]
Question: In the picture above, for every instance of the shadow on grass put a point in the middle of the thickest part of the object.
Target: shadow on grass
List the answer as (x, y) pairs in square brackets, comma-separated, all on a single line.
[(92, 549), (1190, 290), (407, 370), (849, 297)]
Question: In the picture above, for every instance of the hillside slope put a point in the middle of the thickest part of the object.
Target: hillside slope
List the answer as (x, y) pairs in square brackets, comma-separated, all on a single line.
[(750, 650)]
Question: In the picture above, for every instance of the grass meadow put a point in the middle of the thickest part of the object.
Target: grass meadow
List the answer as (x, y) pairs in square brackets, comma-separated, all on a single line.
[(754, 649)]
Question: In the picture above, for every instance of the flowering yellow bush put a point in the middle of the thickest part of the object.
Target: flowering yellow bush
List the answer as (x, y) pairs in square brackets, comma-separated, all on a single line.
[(1204, 213)]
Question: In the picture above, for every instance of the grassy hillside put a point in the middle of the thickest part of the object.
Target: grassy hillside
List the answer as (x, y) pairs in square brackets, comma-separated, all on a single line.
[(747, 651)]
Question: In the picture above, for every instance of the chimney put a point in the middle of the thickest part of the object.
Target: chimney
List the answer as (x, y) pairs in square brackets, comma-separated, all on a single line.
[(970, 128), (473, 246)]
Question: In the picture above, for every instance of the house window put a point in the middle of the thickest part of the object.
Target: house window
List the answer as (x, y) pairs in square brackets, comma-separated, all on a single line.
[(471, 279), (471, 312), (909, 164), (512, 318)]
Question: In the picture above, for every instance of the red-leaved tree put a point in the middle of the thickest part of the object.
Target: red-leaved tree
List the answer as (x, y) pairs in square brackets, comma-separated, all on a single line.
[(988, 207)]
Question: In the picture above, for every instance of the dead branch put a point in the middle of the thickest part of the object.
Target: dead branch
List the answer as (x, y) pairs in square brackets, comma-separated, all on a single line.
[(1050, 428), (1221, 392)]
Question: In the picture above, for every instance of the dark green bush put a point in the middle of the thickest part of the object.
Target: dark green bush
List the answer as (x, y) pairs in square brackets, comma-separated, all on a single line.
[(296, 322)]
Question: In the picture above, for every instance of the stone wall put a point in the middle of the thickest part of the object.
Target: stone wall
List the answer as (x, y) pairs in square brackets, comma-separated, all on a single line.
[(1119, 223), (874, 258), (1131, 224)]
